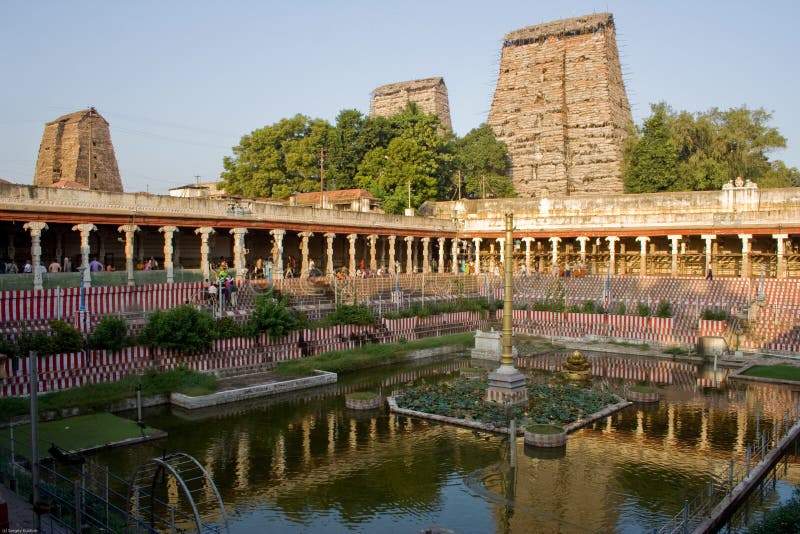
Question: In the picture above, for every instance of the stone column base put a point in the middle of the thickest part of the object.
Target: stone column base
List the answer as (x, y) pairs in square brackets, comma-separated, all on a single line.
[(507, 386)]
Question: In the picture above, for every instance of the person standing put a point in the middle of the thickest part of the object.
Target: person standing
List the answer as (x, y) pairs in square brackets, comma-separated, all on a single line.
[(54, 267), (27, 268), (95, 266)]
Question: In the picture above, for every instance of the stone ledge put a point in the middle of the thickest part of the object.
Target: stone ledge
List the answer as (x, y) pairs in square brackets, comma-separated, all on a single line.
[(321, 378)]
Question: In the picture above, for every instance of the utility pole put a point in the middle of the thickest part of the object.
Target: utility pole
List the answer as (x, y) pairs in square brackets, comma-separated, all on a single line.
[(483, 186), (409, 193), (321, 177), (197, 179), (459, 184)]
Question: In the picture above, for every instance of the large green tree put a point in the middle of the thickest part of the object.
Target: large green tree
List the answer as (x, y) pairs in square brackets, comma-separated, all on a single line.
[(482, 162), (653, 160), (702, 151), (277, 160), (416, 161), (386, 155)]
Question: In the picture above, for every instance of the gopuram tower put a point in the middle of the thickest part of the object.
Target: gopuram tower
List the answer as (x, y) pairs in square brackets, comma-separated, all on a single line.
[(77, 148), (429, 94), (560, 106)]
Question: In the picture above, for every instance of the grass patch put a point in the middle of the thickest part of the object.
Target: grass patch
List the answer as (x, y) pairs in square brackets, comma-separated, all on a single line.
[(98, 396), (676, 351), (345, 361), (781, 372), (83, 432)]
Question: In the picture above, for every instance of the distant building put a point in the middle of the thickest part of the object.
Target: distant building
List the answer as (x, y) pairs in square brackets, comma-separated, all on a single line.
[(346, 200), (205, 189), (429, 94), (77, 148)]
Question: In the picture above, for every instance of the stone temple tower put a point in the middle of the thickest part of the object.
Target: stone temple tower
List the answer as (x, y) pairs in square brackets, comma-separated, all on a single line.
[(77, 148), (430, 95), (560, 106)]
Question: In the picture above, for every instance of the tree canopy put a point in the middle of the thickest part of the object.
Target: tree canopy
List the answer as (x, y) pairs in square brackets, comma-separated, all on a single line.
[(682, 151), (388, 156)]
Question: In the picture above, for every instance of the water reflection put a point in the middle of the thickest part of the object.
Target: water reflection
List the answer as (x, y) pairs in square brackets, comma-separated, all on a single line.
[(305, 463)]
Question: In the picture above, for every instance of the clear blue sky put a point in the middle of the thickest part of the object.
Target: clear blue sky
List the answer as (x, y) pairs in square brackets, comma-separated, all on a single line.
[(181, 81)]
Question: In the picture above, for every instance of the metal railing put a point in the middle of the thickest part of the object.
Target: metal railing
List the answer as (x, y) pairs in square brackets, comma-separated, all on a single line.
[(722, 483)]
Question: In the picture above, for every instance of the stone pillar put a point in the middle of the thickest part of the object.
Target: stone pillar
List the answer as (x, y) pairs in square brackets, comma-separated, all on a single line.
[(426, 243), (36, 228), (643, 239), (352, 264), (204, 233), (745, 254), (477, 242), (454, 254), (277, 260), (612, 253), (304, 253), (554, 261), (583, 240), (780, 270), (392, 266), (169, 264), (130, 230), (441, 241), (528, 241), (501, 241), (409, 239), (238, 251), (708, 238), (675, 239), (85, 229), (329, 253), (373, 256)]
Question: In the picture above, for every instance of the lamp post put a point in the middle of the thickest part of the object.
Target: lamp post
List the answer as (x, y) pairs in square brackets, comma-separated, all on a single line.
[(506, 384)]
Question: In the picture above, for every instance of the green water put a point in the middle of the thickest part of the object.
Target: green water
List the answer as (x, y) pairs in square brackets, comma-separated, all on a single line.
[(305, 463)]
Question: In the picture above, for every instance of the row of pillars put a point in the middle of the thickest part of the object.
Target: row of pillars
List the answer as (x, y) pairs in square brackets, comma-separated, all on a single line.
[(674, 239), (36, 229)]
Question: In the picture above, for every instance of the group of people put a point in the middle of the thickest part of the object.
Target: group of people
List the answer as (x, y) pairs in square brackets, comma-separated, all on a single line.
[(222, 287)]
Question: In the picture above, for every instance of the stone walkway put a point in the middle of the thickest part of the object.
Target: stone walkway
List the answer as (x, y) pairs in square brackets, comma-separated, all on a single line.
[(20, 514)]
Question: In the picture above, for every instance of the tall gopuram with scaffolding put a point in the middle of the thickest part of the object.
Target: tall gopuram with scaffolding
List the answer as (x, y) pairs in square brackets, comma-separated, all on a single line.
[(77, 153), (560, 106)]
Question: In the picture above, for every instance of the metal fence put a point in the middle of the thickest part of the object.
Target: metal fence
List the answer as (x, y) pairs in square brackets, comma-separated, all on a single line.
[(723, 483)]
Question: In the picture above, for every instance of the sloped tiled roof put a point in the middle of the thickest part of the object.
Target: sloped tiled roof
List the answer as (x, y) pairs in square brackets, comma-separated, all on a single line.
[(333, 197)]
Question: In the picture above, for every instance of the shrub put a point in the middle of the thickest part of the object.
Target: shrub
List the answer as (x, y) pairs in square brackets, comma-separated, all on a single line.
[(65, 337), (183, 328), (784, 519), (664, 309), (591, 306), (642, 309), (347, 314), (619, 309), (714, 315), (39, 342), (272, 316), (110, 333), (226, 328)]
